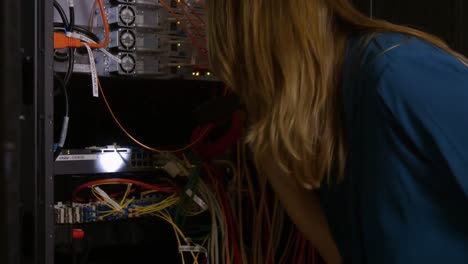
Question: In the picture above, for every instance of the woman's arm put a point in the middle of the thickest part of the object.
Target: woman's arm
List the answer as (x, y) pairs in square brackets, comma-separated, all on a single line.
[(304, 209)]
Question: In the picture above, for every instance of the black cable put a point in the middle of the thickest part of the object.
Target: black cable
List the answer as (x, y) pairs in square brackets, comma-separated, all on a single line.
[(60, 56), (64, 83), (67, 106), (81, 29), (71, 64), (72, 19), (62, 14), (71, 51), (65, 92)]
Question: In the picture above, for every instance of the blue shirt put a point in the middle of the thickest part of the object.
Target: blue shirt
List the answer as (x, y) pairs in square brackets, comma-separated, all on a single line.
[(405, 194)]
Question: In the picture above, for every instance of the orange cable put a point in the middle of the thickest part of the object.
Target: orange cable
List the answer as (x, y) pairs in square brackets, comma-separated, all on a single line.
[(189, 35), (187, 15), (106, 28), (202, 135), (194, 13), (63, 41)]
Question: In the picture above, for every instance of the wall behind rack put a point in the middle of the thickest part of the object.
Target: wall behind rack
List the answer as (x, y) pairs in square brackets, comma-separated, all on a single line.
[(445, 19)]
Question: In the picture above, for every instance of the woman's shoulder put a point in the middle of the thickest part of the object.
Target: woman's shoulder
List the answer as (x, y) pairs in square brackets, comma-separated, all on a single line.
[(393, 50), (404, 66)]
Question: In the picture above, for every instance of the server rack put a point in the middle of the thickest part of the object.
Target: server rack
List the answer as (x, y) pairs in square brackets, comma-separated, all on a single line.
[(27, 113)]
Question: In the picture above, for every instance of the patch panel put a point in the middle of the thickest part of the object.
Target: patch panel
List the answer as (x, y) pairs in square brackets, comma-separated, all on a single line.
[(79, 213)]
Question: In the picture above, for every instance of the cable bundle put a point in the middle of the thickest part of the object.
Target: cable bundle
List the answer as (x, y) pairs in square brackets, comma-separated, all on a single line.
[(246, 222)]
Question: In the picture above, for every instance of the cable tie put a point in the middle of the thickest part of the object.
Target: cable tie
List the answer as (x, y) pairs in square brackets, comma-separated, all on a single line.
[(196, 248), (197, 199), (88, 40)]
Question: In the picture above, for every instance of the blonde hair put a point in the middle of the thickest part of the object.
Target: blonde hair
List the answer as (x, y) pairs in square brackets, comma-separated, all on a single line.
[(283, 58)]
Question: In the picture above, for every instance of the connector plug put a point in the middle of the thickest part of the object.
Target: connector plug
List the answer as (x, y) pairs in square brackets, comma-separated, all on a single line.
[(61, 41)]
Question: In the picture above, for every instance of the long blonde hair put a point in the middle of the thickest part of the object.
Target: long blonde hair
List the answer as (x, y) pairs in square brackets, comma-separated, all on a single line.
[(283, 58)]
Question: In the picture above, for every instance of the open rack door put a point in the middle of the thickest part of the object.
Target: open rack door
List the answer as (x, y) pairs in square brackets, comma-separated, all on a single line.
[(9, 123), (26, 107)]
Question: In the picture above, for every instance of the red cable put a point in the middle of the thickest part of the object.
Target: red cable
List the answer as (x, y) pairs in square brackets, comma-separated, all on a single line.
[(303, 250), (228, 212), (160, 188), (189, 35), (219, 147), (296, 247), (112, 195), (201, 3), (237, 257), (312, 255), (191, 21), (217, 192)]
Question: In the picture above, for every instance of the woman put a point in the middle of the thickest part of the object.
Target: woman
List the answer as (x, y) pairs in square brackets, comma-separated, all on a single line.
[(361, 126)]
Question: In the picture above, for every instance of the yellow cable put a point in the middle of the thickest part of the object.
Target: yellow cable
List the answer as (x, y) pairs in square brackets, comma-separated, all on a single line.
[(101, 200), (157, 209), (174, 227), (127, 191), (165, 216), (178, 241), (168, 202), (107, 211), (203, 245), (147, 192), (126, 204)]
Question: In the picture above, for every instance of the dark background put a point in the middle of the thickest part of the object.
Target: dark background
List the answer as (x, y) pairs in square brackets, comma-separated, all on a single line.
[(446, 19)]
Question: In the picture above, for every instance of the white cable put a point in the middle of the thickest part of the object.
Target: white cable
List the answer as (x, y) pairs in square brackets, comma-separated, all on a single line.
[(216, 220), (108, 199), (93, 70), (213, 242), (88, 40), (63, 133)]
